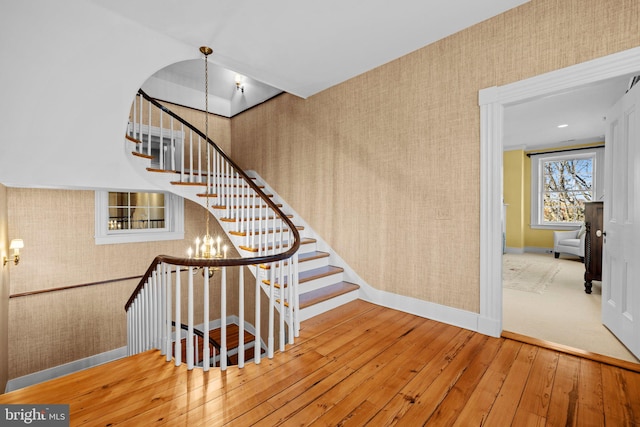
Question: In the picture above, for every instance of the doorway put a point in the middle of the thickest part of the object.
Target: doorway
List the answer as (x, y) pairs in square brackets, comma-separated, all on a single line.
[(492, 103)]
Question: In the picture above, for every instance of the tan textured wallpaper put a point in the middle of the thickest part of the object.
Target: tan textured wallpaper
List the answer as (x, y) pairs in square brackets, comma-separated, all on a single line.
[(386, 165)]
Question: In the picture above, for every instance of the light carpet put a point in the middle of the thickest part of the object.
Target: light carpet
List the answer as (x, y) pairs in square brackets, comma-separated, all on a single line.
[(528, 273), (559, 310)]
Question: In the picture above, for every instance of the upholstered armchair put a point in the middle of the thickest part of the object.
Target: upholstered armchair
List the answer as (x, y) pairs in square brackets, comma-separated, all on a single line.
[(569, 242)]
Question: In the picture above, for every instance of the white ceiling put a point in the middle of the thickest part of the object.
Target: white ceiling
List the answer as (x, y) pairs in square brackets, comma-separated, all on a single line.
[(534, 124), (301, 47)]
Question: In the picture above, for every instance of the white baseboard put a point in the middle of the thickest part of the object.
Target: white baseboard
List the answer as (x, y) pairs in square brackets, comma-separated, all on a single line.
[(429, 310), (67, 368), (529, 249), (97, 359)]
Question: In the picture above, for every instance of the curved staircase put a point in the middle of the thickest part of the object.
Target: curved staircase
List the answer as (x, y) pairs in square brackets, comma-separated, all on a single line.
[(321, 283)]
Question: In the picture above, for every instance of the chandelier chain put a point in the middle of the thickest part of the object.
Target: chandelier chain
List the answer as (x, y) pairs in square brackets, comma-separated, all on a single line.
[(206, 131)]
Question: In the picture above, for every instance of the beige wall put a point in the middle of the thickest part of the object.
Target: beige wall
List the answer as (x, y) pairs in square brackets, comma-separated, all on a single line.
[(4, 292), (386, 165)]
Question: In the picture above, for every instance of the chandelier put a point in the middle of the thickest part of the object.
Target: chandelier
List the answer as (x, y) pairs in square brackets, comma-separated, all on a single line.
[(208, 247)]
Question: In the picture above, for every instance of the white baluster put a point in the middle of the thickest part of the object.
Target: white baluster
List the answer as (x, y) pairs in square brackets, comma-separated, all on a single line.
[(172, 149), (282, 310), (191, 177), (178, 330), (149, 108), (161, 143), (296, 294), (272, 303), (223, 319), (146, 310), (169, 310), (152, 308), (200, 157), (208, 167), (241, 315), (274, 223), (257, 349), (290, 291), (141, 100), (182, 152), (205, 345), (132, 131), (190, 342)]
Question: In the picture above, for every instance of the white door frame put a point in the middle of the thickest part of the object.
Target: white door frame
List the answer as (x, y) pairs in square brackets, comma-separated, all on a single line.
[(492, 101)]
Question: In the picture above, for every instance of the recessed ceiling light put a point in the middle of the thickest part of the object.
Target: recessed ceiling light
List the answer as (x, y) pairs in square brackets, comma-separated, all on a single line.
[(563, 125)]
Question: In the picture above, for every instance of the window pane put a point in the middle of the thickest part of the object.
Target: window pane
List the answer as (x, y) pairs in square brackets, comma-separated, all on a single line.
[(137, 211), (567, 184)]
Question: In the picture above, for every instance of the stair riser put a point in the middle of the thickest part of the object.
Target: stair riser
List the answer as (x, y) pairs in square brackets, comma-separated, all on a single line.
[(316, 309), (304, 247), (313, 264), (320, 282)]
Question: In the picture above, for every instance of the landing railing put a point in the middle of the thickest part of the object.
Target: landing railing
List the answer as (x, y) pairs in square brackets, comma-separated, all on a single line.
[(256, 226)]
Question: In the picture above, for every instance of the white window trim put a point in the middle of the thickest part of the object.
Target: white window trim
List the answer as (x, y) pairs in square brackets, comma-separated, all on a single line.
[(597, 154), (174, 222)]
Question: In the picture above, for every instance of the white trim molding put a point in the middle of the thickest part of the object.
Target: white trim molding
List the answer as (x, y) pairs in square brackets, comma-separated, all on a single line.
[(174, 222), (492, 101)]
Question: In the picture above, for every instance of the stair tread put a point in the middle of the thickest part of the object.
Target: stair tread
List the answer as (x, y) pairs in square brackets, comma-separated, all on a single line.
[(323, 294), (316, 273), (312, 255), (232, 336)]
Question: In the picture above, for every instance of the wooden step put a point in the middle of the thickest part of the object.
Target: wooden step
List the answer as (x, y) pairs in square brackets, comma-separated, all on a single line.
[(323, 294), (232, 344), (132, 139), (144, 156)]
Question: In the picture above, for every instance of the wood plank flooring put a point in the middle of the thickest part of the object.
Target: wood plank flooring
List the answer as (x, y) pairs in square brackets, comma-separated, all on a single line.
[(358, 365)]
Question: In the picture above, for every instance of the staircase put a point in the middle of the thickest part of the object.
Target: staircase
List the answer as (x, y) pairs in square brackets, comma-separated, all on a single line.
[(321, 280), (233, 343)]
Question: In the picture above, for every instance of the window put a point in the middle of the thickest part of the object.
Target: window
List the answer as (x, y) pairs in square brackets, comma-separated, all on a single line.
[(560, 186), (123, 217)]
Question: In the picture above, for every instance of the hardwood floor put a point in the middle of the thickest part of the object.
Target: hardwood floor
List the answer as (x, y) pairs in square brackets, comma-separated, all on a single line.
[(358, 365)]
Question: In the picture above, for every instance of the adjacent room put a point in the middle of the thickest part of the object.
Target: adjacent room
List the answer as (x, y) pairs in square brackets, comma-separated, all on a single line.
[(553, 167)]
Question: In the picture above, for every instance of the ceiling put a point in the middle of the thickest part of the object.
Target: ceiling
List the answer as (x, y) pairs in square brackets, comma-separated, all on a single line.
[(304, 47), (300, 47), (534, 124)]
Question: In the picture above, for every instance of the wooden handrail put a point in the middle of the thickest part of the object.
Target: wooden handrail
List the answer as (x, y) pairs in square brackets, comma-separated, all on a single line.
[(224, 262), (66, 288)]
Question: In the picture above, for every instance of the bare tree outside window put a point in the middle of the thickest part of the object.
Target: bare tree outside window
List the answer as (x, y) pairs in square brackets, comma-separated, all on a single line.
[(567, 185)]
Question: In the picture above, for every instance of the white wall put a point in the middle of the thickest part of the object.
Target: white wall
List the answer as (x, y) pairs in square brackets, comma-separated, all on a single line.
[(69, 72)]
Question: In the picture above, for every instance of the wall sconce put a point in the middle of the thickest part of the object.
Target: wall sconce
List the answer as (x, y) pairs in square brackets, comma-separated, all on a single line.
[(16, 245), (240, 83)]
